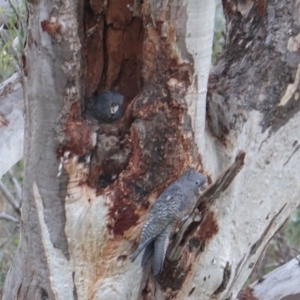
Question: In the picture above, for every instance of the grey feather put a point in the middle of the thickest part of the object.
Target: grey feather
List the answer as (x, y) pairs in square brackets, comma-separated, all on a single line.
[(172, 206), (148, 253), (106, 107), (140, 248), (160, 248)]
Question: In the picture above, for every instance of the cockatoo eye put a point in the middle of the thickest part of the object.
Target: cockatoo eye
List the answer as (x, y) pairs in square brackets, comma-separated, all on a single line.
[(197, 182)]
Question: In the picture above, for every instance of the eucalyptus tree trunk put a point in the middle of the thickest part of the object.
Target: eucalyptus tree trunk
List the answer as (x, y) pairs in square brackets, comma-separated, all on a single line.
[(88, 188)]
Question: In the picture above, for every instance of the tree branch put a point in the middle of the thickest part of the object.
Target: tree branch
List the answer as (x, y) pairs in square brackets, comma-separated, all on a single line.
[(16, 184), (6, 193), (281, 283), (5, 216)]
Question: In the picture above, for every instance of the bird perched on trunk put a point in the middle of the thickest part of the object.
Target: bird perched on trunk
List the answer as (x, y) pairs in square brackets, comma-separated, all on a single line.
[(170, 209), (106, 107)]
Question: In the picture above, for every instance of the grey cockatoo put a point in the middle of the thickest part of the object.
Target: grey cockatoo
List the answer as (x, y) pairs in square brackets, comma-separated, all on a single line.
[(170, 209), (106, 107)]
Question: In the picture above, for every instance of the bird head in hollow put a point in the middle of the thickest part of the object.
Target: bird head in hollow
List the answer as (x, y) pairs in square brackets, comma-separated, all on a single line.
[(106, 107)]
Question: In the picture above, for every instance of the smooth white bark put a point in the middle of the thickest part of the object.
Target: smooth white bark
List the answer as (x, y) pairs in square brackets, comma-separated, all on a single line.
[(199, 39), (267, 184), (266, 189), (59, 267), (12, 135), (281, 282)]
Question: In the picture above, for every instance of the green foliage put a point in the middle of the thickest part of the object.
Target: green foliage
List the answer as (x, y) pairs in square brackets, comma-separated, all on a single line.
[(9, 231), (7, 62), (292, 231), (219, 40), (11, 39)]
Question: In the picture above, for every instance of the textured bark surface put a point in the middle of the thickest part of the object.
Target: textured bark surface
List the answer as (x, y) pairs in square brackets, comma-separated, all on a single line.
[(282, 283), (88, 187), (251, 106), (52, 82), (261, 50), (97, 46)]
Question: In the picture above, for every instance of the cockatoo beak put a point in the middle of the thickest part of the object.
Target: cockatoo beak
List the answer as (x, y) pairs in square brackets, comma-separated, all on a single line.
[(204, 186), (114, 109)]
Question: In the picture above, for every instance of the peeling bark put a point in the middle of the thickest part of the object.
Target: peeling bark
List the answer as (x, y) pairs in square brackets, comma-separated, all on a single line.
[(281, 283), (52, 81), (247, 110)]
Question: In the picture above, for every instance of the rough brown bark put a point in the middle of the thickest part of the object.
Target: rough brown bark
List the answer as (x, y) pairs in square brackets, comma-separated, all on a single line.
[(259, 62)]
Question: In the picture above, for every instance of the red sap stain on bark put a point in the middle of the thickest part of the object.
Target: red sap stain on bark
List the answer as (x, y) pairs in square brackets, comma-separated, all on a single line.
[(50, 27), (246, 294), (122, 214), (161, 147), (3, 121), (227, 7), (160, 153), (78, 133), (208, 228), (261, 7)]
